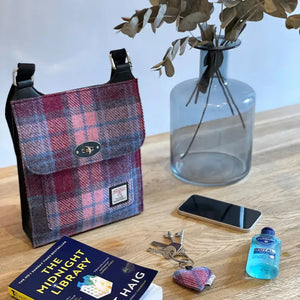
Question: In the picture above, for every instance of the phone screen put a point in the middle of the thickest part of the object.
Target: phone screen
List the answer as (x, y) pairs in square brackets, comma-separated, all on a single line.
[(219, 211)]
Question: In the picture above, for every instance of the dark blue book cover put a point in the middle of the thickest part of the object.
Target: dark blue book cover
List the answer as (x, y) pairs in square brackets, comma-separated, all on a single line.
[(71, 270)]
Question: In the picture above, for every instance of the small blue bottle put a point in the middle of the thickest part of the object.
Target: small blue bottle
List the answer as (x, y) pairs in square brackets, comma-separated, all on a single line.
[(264, 255)]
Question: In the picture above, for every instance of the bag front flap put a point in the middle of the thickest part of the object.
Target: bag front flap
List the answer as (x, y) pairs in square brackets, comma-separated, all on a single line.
[(74, 128)]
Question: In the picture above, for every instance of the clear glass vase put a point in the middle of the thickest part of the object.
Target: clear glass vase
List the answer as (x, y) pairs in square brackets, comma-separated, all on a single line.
[(212, 121)]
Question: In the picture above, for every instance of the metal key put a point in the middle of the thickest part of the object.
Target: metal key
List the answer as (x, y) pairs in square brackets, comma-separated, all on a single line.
[(167, 252), (173, 249), (180, 234), (169, 235), (165, 249), (154, 250)]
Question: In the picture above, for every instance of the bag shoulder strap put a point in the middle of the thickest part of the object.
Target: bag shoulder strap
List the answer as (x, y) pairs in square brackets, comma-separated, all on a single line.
[(121, 66), (21, 88)]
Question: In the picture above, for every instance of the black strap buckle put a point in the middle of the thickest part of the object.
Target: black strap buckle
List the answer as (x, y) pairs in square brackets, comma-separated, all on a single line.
[(24, 72), (113, 65)]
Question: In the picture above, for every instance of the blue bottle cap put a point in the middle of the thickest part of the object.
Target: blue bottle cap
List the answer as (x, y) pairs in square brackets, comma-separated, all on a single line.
[(268, 230)]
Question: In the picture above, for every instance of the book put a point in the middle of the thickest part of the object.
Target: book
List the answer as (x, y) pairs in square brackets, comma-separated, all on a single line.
[(71, 270), (154, 292)]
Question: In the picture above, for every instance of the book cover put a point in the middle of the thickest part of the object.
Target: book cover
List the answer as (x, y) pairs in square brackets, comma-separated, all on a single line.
[(71, 270)]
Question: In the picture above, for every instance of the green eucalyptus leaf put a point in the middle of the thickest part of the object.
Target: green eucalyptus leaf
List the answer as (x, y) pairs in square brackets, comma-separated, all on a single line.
[(293, 22), (168, 53), (143, 16), (195, 12), (234, 29), (246, 11), (230, 3), (175, 49), (159, 16), (179, 45), (273, 8), (183, 5), (118, 27), (169, 68), (147, 16), (208, 32), (227, 16), (194, 42), (159, 65), (171, 15), (174, 4), (288, 5), (189, 23), (131, 28), (154, 12), (154, 2), (183, 44), (270, 6)]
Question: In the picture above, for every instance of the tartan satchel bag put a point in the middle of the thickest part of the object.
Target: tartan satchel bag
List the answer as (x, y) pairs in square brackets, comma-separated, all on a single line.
[(78, 152)]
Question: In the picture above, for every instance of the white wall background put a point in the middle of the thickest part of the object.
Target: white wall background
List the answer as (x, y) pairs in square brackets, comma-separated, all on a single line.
[(69, 41)]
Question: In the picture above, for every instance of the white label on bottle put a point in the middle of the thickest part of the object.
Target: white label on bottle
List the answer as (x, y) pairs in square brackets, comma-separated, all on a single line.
[(265, 240), (267, 251)]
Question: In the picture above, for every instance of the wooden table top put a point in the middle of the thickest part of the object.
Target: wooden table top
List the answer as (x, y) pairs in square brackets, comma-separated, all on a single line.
[(272, 187)]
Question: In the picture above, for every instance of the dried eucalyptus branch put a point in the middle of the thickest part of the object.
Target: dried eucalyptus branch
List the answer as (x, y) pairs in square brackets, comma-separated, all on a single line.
[(217, 59), (231, 98), (190, 14), (223, 85), (177, 45), (200, 122), (192, 95)]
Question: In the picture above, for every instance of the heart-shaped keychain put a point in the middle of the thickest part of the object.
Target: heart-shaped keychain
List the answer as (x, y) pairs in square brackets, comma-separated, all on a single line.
[(195, 278)]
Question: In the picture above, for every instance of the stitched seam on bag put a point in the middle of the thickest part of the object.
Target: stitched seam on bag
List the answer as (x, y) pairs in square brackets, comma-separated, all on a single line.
[(74, 91)]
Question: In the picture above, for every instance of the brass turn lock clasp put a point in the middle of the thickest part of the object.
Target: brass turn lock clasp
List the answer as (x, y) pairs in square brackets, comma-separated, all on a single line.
[(87, 149)]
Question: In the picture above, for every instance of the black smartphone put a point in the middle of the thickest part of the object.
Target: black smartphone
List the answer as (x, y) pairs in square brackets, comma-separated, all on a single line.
[(219, 212)]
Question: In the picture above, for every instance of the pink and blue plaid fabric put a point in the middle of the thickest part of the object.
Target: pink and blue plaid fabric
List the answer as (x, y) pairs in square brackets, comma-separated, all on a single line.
[(68, 194)]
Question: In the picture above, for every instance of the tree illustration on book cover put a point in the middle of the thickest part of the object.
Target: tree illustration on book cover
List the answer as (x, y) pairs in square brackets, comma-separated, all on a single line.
[(95, 286)]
